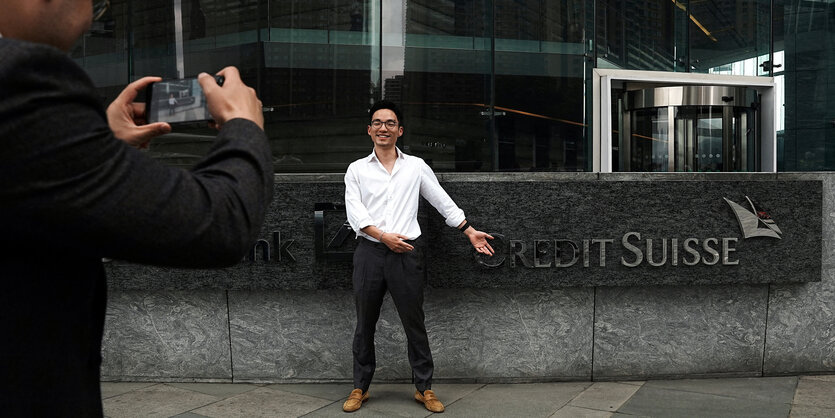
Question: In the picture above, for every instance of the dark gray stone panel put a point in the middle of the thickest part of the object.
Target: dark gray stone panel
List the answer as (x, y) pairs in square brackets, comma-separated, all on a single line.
[(156, 335), (532, 210), (291, 216), (677, 331), (659, 210), (292, 335), (511, 334), (474, 334), (801, 330)]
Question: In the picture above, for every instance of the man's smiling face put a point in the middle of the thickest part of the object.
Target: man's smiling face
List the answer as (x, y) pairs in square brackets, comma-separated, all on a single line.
[(383, 135)]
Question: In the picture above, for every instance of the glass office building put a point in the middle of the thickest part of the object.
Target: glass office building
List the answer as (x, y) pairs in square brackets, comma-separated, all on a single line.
[(486, 85)]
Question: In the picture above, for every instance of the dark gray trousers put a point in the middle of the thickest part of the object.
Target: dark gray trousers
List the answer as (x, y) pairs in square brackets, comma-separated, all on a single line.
[(377, 269)]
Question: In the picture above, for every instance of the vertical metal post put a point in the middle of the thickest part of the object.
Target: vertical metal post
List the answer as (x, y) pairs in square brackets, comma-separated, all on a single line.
[(261, 62), (625, 149), (671, 145), (771, 40), (687, 65), (604, 105), (589, 64), (681, 155), (493, 133), (129, 38), (727, 138), (178, 38), (691, 144), (741, 136)]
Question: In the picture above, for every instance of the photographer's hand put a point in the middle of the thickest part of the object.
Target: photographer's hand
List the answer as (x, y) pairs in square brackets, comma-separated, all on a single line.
[(127, 119), (233, 100)]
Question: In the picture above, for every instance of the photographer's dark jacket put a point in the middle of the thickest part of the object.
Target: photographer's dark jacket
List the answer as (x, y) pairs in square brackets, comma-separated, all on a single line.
[(70, 194)]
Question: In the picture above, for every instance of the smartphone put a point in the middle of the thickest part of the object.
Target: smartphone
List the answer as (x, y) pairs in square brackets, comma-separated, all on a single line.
[(177, 101)]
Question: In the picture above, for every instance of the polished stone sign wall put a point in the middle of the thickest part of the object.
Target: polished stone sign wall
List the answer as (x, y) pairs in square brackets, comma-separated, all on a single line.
[(289, 317), (549, 234), (614, 233)]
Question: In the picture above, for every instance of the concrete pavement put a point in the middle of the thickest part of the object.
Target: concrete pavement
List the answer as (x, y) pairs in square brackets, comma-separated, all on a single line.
[(792, 396)]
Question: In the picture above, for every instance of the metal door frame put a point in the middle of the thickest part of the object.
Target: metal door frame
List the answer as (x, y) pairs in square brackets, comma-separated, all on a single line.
[(601, 97)]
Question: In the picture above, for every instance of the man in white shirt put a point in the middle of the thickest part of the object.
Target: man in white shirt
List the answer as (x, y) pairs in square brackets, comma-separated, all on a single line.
[(382, 193)]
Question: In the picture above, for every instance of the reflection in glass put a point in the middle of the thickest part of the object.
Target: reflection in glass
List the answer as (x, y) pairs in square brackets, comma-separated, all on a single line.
[(697, 139), (650, 140), (445, 87), (539, 85), (321, 73), (101, 51), (711, 138), (638, 34), (723, 32), (484, 84)]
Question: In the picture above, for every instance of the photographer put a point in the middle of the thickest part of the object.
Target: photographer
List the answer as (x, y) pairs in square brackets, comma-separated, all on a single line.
[(74, 189)]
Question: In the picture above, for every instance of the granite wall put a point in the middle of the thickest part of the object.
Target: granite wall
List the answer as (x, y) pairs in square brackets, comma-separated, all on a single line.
[(249, 324)]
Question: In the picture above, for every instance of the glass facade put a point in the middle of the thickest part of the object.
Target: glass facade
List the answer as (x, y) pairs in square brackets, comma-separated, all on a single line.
[(485, 85)]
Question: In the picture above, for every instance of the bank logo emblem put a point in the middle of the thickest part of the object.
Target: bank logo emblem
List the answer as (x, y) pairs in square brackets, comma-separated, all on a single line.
[(754, 223)]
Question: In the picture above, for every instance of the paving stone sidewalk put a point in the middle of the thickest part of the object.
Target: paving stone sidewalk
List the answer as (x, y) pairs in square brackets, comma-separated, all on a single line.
[(793, 396)]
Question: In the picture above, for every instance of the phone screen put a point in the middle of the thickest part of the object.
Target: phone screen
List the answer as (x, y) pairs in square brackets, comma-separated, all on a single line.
[(176, 101)]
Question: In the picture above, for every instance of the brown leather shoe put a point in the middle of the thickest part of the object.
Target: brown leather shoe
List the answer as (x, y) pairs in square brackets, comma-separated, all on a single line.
[(355, 400), (429, 400)]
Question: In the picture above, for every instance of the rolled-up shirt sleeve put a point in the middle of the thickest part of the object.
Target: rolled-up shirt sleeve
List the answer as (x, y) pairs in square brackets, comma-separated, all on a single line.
[(432, 191), (358, 215)]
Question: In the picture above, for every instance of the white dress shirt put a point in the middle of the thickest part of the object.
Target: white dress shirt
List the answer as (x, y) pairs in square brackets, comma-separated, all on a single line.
[(390, 201)]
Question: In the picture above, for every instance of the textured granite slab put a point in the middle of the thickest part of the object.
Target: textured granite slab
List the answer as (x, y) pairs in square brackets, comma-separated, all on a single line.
[(483, 334), (511, 335), (641, 222), (673, 331), (284, 259), (801, 318), (292, 335), (155, 335), (474, 334), (634, 221)]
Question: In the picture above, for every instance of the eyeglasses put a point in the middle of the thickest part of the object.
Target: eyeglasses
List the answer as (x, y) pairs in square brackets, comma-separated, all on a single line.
[(100, 8), (377, 123)]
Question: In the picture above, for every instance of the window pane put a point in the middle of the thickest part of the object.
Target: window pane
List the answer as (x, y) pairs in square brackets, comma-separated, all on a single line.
[(734, 35), (539, 88), (445, 84), (102, 51), (638, 35), (320, 76)]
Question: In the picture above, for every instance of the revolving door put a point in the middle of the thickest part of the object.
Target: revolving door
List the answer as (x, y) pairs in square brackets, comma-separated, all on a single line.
[(690, 129)]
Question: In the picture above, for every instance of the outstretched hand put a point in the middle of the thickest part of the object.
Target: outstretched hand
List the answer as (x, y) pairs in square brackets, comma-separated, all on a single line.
[(127, 119), (479, 241)]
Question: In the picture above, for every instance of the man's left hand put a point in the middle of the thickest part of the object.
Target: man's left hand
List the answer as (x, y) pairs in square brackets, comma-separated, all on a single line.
[(127, 119), (479, 241)]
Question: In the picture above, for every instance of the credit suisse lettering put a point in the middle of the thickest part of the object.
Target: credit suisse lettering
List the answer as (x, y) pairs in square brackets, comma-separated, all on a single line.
[(636, 251)]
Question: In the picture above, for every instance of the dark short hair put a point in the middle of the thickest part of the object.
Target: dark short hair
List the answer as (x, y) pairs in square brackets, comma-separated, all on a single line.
[(385, 104)]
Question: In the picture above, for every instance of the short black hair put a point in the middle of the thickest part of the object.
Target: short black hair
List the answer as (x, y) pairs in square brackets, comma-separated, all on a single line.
[(385, 104)]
